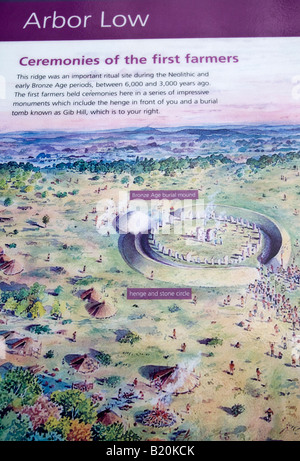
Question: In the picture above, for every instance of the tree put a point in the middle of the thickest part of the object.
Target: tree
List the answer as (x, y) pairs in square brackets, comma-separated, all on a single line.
[(138, 180), (125, 180), (21, 294), (49, 354), (58, 308), (75, 405), (22, 386), (112, 381), (37, 310), (5, 399), (45, 220), (10, 305), (41, 411), (113, 433), (22, 308), (58, 290), (37, 291), (237, 409), (15, 428), (46, 437), (40, 329), (59, 426), (60, 194), (79, 432), (37, 175), (104, 359), (3, 184), (7, 202), (130, 337)]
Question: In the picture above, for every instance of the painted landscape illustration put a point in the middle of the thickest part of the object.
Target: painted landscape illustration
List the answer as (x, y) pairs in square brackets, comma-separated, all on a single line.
[(79, 361)]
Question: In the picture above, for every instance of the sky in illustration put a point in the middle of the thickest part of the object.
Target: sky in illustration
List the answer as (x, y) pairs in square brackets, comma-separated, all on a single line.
[(263, 87)]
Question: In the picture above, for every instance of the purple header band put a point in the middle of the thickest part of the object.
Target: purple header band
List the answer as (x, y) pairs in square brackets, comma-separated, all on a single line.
[(137, 19), (163, 194), (159, 293)]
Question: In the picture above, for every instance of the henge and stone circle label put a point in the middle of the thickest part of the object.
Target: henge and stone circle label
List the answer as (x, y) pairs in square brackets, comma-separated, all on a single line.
[(159, 293)]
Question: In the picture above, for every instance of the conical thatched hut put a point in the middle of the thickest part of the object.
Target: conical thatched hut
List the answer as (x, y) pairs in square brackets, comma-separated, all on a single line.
[(95, 306), (9, 335), (9, 266), (90, 294), (13, 267), (26, 346), (100, 310), (108, 417), (4, 260), (84, 364), (176, 380)]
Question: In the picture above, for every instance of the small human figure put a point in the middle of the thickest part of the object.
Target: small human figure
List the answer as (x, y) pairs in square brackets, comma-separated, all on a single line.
[(151, 275), (258, 373), (74, 337), (188, 407), (174, 334), (231, 367), (269, 414), (183, 347), (284, 343)]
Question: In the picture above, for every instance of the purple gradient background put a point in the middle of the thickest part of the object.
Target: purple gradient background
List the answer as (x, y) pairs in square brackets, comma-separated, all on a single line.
[(168, 19)]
